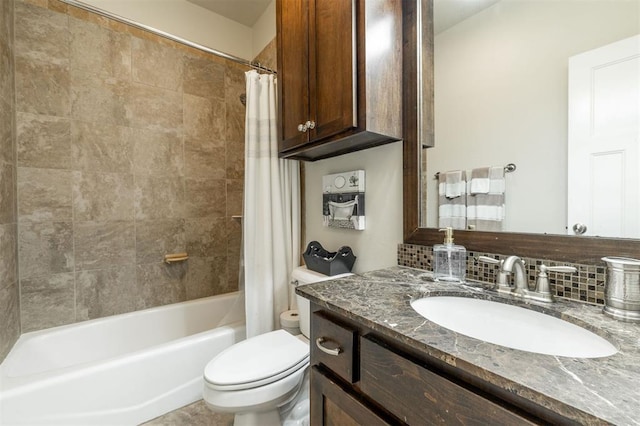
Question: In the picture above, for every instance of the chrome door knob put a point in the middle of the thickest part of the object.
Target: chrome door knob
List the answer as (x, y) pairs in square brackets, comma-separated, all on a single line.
[(579, 228)]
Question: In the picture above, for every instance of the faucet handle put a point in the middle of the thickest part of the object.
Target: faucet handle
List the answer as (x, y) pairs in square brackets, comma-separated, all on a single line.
[(489, 260), (543, 291), (565, 269)]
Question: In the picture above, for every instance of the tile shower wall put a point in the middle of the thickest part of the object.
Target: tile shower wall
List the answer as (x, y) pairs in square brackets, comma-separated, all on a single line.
[(587, 285), (9, 300), (129, 146)]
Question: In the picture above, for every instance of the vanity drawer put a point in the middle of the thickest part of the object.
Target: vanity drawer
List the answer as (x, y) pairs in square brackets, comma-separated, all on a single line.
[(420, 396), (333, 344)]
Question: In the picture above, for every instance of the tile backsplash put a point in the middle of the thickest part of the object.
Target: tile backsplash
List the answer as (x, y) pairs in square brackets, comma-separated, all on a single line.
[(587, 285)]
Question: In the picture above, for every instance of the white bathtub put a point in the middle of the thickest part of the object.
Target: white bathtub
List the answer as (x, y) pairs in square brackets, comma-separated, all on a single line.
[(119, 370)]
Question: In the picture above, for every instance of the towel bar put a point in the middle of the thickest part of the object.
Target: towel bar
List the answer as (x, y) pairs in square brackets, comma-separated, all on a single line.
[(507, 169)]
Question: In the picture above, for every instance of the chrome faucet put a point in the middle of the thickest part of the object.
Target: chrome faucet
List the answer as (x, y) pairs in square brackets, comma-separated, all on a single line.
[(520, 282), (514, 264)]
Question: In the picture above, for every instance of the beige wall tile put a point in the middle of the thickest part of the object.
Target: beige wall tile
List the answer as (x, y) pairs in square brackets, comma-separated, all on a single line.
[(42, 88), (47, 301), (9, 317), (8, 261), (157, 153), (155, 238), (156, 64), (206, 277), (235, 112), (6, 91), (105, 292), (234, 159), (204, 119), (159, 197), (6, 133), (43, 141), (45, 248), (155, 109), (205, 198), (98, 50), (204, 159), (41, 34), (206, 237), (100, 245), (45, 194), (102, 196), (7, 193), (235, 188), (98, 99), (161, 284), (101, 147), (203, 78)]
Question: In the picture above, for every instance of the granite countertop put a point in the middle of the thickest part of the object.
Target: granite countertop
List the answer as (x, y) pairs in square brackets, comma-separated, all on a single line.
[(588, 390)]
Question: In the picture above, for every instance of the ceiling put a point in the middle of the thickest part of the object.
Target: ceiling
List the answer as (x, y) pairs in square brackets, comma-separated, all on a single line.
[(245, 12)]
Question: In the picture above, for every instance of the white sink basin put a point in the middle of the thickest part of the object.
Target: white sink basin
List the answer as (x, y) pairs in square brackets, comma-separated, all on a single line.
[(513, 327)]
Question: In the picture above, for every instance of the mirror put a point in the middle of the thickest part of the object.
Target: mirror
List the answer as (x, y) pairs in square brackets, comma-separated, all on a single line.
[(418, 130), (501, 96)]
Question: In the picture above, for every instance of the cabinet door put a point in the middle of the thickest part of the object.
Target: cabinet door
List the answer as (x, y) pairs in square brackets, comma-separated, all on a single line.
[(332, 67), (293, 70), (331, 405)]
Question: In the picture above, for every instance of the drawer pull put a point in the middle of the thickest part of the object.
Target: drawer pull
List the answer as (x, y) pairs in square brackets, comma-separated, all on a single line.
[(334, 352)]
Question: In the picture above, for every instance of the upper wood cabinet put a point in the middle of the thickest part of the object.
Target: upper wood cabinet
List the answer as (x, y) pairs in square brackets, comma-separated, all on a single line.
[(339, 76)]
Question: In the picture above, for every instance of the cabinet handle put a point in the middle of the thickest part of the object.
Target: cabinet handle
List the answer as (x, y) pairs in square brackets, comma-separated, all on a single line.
[(310, 125), (303, 127), (334, 352)]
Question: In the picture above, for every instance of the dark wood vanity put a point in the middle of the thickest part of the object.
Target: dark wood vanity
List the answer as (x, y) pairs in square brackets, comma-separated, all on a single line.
[(373, 380), (375, 360)]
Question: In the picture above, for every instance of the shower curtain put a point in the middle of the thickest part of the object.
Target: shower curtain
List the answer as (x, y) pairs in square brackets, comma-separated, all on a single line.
[(271, 216)]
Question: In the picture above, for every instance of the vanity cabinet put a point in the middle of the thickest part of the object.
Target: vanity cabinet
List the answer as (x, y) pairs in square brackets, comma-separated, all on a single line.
[(339, 76), (361, 377)]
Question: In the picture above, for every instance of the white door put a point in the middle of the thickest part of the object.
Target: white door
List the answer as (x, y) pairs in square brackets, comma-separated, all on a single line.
[(604, 138)]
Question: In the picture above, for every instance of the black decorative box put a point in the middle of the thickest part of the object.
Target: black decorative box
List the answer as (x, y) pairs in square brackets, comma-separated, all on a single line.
[(329, 263)]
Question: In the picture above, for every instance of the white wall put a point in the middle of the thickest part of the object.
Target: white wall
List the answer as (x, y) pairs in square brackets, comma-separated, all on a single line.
[(376, 246), (264, 30), (188, 21), (501, 97)]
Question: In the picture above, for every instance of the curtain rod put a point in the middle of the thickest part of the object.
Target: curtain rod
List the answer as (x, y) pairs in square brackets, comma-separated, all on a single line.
[(102, 12)]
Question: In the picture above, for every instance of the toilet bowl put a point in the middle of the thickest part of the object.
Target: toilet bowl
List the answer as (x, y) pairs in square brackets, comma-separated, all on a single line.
[(259, 377)]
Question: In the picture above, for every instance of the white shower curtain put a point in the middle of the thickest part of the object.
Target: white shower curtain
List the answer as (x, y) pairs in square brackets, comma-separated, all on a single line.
[(271, 217)]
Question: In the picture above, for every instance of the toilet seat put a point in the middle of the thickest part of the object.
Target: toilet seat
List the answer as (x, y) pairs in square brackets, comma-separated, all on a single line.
[(257, 361)]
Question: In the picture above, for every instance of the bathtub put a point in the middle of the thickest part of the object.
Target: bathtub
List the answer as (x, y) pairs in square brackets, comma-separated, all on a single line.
[(120, 370)]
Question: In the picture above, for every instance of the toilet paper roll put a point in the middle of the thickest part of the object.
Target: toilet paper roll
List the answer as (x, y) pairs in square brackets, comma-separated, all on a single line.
[(289, 319)]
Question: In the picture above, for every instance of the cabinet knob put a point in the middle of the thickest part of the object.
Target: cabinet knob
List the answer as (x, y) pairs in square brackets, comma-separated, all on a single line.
[(303, 127), (310, 124), (334, 352)]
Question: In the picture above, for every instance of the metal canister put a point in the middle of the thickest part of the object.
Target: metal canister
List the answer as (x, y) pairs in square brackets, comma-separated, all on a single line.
[(622, 288)]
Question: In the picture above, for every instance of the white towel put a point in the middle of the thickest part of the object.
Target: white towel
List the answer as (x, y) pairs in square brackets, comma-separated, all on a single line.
[(485, 210), (452, 184), (452, 209), (479, 182)]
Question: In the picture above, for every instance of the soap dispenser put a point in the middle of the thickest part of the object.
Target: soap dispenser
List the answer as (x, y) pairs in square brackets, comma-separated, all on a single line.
[(449, 260)]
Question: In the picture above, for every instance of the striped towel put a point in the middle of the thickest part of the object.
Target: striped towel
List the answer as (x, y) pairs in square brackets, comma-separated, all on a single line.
[(485, 199), (452, 200)]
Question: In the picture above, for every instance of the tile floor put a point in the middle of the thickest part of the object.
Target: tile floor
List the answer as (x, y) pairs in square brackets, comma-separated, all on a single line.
[(196, 414)]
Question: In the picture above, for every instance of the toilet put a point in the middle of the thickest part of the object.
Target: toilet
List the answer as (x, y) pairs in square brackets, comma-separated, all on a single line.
[(264, 377)]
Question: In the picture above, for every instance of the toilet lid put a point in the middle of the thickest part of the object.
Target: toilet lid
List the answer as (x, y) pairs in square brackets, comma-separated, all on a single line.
[(257, 361)]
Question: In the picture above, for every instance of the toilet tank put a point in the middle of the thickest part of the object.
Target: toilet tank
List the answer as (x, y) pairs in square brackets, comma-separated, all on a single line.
[(304, 276)]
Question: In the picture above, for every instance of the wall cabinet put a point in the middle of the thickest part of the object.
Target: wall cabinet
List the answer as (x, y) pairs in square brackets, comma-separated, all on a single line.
[(339, 76), (359, 377)]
